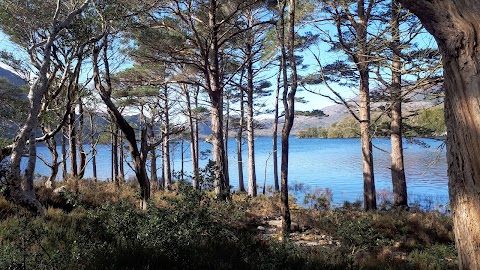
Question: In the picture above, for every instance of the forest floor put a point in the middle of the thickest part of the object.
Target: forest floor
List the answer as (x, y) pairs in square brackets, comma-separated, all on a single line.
[(98, 225)]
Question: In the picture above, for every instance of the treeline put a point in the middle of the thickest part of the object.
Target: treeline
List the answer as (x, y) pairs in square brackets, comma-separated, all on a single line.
[(424, 123)]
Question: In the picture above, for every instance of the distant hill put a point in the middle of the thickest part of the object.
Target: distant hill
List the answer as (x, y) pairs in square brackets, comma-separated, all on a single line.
[(414, 101), (11, 76)]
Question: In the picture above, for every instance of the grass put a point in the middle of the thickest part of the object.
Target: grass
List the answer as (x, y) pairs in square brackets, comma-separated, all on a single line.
[(100, 227)]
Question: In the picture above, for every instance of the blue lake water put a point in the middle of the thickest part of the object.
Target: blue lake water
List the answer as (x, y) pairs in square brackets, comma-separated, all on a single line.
[(317, 163)]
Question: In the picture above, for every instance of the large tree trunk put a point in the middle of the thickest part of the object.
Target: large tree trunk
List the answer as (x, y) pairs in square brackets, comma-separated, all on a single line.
[(399, 182), (456, 27), (218, 145), (362, 62), (252, 177), (215, 90)]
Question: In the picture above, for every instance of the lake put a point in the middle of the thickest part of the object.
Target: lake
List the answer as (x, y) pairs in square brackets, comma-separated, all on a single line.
[(318, 164)]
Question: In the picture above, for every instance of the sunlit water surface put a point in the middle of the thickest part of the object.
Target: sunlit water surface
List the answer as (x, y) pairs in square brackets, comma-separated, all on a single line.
[(315, 164)]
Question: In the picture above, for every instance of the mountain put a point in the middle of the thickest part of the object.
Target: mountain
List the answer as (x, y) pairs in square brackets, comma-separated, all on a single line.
[(416, 100), (11, 76)]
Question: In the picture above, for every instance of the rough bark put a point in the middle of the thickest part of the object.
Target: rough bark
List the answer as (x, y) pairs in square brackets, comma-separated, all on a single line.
[(397, 168), (455, 25), (167, 170), (215, 91), (252, 177)]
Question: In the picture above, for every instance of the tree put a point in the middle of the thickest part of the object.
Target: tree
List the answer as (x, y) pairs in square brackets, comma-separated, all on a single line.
[(352, 20), (287, 45), (454, 24), (60, 18)]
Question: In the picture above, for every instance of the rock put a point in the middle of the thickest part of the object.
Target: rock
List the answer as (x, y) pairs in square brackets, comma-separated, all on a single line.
[(60, 190), (48, 184), (261, 228)]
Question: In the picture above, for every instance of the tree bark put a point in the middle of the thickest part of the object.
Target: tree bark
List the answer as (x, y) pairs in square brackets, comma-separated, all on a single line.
[(72, 143), (287, 46), (153, 159), (93, 145), (193, 142), (399, 182), (252, 177), (241, 185), (81, 153), (275, 133), (64, 155), (456, 27), (167, 170)]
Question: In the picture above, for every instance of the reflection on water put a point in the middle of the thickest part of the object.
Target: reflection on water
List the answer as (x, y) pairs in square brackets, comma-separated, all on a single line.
[(318, 163)]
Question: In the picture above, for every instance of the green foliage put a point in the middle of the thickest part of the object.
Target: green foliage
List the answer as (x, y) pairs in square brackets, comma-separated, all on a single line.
[(319, 199), (316, 113), (429, 122), (426, 123)]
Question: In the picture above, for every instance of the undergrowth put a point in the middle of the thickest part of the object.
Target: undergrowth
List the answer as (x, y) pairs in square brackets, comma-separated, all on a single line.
[(100, 227)]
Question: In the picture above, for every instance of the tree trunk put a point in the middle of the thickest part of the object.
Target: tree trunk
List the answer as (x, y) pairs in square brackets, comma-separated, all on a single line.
[(121, 157), (72, 143), (275, 130), (226, 136), (218, 145), (167, 171), (215, 91), (288, 104), (362, 61), (397, 166), (241, 186), (115, 155), (64, 156), (369, 195), (93, 145), (455, 25), (167, 176), (192, 137), (81, 152), (153, 159), (252, 177)]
